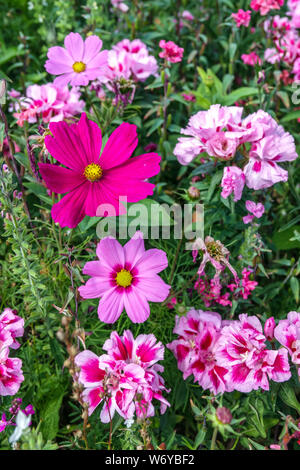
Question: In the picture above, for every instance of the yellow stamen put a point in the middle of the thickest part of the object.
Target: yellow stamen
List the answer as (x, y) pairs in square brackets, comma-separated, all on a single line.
[(124, 278), (79, 67), (93, 172)]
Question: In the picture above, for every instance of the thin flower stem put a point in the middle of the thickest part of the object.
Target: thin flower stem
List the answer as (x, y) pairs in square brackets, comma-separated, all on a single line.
[(214, 438)]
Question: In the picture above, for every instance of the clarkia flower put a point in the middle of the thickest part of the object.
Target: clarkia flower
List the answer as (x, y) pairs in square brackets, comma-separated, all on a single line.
[(13, 324), (242, 17), (251, 59), (256, 210), (11, 374), (287, 332), (78, 62), (171, 52), (90, 179), (233, 181), (264, 6), (125, 278)]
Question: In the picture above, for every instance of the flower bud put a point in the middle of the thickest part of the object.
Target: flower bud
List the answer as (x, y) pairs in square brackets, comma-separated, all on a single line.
[(224, 415)]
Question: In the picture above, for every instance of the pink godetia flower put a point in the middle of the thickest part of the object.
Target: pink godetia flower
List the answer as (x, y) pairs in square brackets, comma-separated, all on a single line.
[(93, 182), (294, 12), (210, 291), (12, 324), (11, 375), (269, 328), (189, 97), (78, 62), (126, 379), (256, 210), (251, 59), (233, 181), (199, 333), (213, 252), (287, 332), (3, 422), (126, 277), (49, 103), (265, 6), (242, 17), (171, 52), (243, 353), (120, 5), (206, 133), (187, 15)]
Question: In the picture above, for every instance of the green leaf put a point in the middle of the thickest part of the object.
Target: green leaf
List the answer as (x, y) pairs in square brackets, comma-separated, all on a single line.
[(295, 288), (288, 396), (282, 239), (50, 414), (238, 94), (291, 116)]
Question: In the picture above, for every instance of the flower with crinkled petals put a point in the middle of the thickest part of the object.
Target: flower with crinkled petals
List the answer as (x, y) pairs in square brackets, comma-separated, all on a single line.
[(199, 333), (171, 52), (13, 324), (78, 62), (256, 210), (11, 374), (126, 277), (287, 332), (242, 17), (93, 182), (233, 181)]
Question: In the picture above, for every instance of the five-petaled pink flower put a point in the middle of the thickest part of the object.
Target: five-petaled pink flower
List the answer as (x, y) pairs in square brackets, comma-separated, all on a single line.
[(125, 277), (95, 182), (171, 52), (78, 62)]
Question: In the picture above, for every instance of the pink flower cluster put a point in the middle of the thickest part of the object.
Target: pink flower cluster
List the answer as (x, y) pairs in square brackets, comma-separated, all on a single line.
[(227, 355), (242, 17), (264, 6), (11, 376), (221, 132), (126, 379), (256, 210), (251, 59), (48, 103), (14, 410), (171, 52)]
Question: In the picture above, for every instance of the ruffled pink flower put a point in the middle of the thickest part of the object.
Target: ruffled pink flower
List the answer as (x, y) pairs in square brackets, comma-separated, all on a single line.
[(11, 375), (78, 62), (287, 332), (243, 352), (199, 334), (269, 328), (242, 17), (125, 278), (264, 6), (222, 147), (13, 324), (257, 210), (187, 15), (233, 181), (245, 285), (126, 379), (251, 59), (92, 180), (171, 52)]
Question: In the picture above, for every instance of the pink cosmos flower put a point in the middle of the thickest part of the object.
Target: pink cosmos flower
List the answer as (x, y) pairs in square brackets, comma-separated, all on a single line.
[(257, 210), (126, 379), (125, 277), (78, 62), (243, 352), (11, 374), (233, 181), (13, 324), (90, 179), (264, 6), (287, 332), (199, 334), (242, 17), (48, 103), (171, 52), (251, 59), (269, 328)]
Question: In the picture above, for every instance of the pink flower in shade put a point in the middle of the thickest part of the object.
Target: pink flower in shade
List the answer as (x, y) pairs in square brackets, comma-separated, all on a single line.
[(13, 324), (171, 52), (125, 278), (11, 375), (243, 352), (90, 179), (242, 17), (287, 332), (78, 62), (126, 379), (213, 252), (257, 210), (233, 181), (120, 5), (245, 285), (6, 149), (187, 15), (189, 97), (199, 334), (269, 328), (275, 146), (3, 422), (264, 6), (251, 59)]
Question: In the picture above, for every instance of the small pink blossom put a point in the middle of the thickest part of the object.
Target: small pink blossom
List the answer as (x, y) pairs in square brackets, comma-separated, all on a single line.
[(251, 59), (269, 328), (11, 375), (120, 5), (257, 210), (264, 6), (242, 17), (233, 181), (126, 277), (171, 52), (13, 324), (78, 62)]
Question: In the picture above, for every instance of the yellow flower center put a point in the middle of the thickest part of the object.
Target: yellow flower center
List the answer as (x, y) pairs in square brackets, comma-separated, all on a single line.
[(79, 67), (124, 278), (93, 172)]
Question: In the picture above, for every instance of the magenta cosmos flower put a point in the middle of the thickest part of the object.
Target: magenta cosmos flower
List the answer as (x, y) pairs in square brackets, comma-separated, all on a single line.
[(78, 62), (91, 179), (125, 277)]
